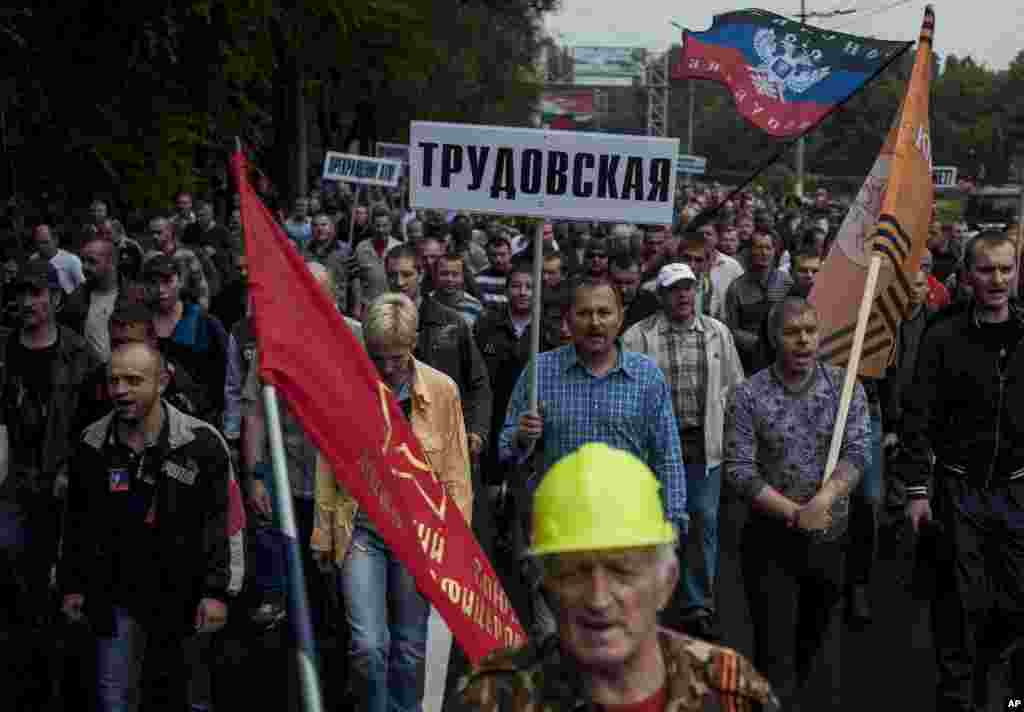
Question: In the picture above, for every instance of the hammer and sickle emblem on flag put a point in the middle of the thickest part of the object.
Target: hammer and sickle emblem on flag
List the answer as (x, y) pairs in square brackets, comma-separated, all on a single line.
[(419, 468)]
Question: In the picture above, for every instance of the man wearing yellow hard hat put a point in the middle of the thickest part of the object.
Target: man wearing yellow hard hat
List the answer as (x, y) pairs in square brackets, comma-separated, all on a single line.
[(608, 557)]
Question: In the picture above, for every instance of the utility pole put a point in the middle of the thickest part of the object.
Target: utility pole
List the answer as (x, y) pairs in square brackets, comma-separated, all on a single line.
[(691, 88), (689, 122), (800, 145)]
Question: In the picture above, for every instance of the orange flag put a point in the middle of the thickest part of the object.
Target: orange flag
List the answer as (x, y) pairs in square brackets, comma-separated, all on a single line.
[(889, 218)]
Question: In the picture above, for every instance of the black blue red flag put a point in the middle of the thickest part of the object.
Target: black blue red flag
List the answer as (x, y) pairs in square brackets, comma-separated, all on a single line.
[(785, 77)]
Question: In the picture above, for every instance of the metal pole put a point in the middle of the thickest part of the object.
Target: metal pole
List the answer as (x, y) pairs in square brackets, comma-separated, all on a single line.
[(799, 187), (538, 273), (689, 127), (1015, 290), (800, 146), (689, 122), (298, 603)]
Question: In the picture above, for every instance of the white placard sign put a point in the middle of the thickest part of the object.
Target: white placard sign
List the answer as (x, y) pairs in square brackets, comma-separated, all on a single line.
[(944, 176), (692, 165), (542, 173), (362, 169)]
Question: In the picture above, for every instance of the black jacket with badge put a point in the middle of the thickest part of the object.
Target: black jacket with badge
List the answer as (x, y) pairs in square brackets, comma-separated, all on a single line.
[(176, 552), (964, 405)]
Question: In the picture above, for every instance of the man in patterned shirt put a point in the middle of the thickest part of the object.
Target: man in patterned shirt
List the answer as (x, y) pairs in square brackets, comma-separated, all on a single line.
[(697, 355), (596, 391), (778, 430)]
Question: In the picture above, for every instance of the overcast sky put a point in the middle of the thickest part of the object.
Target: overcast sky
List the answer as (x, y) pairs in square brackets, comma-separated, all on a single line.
[(991, 31)]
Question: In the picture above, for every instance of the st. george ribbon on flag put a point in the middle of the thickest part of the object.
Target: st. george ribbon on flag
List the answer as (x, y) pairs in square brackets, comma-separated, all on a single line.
[(313, 359), (785, 76), (889, 219)]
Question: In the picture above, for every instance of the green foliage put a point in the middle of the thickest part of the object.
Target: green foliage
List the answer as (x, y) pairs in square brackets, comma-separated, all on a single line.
[(949, 210), (137, 101)]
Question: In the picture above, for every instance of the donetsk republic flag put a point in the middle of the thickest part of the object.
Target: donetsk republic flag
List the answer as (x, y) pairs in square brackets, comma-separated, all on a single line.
[(785, 77)]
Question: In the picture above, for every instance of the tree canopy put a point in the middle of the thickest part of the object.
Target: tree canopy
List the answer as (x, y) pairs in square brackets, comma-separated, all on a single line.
[(138, 101)]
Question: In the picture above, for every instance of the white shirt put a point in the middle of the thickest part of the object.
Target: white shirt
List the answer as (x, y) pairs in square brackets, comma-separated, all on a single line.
[(69, 270), (521, 243)]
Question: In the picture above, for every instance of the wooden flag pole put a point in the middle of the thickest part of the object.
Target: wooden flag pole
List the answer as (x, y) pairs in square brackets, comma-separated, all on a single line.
[(850, 381)]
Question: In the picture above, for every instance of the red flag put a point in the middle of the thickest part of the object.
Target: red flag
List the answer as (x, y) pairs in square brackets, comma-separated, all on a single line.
[(312, 358)]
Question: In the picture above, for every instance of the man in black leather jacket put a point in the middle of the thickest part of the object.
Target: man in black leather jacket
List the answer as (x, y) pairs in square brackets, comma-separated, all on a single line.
[(964, 415)]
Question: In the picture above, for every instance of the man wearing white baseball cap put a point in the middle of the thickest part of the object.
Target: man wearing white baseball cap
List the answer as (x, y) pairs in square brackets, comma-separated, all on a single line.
[(700, 362)]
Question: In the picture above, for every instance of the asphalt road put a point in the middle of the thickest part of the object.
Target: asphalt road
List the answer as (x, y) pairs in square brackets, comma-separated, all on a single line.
[(888, 666)]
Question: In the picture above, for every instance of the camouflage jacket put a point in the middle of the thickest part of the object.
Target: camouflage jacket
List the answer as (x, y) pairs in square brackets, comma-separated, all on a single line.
[(538, 678)]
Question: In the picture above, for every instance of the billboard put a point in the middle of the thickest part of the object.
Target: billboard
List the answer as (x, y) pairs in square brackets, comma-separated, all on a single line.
[(567, 110), (691, 165), (607, 66)]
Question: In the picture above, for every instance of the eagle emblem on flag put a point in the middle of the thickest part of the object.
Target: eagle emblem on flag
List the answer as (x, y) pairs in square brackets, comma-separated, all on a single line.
[(784, 65)]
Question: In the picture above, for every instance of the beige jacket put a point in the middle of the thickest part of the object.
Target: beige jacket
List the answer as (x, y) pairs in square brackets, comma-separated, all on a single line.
[(724, 371), (438, 425)]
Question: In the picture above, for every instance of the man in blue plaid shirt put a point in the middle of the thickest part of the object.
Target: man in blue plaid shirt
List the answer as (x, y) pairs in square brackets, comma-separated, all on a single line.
[(595, 391)]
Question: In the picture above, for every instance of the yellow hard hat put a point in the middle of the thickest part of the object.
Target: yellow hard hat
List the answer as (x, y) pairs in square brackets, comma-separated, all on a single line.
[(598, 498)]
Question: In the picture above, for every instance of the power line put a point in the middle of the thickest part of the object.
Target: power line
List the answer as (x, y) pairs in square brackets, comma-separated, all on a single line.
[(872, 12), (804, 16)]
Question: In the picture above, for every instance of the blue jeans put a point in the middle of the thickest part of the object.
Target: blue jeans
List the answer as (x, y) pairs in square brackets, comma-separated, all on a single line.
[(164, 679), (702, 497), (29, 531), (870, 486), (268, 567), (387, 619)]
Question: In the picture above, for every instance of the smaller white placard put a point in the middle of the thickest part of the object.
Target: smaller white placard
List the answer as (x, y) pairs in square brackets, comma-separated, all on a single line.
[(366, 170)]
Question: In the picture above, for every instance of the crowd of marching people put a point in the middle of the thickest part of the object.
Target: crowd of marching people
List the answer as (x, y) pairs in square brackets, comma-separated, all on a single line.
[(135, 489)]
